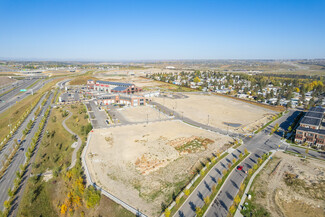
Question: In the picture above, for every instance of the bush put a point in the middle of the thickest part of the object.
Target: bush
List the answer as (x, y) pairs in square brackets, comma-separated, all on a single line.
[(92, 196)]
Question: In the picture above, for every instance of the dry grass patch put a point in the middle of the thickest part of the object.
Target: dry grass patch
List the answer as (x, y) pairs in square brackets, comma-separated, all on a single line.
[(144, 165)]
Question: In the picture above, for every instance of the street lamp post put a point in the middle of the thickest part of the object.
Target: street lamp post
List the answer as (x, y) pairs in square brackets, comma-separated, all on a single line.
[(208, 119)]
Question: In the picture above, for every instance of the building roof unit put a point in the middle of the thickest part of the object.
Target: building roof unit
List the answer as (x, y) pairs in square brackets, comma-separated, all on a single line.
[(322, 132), (317, 115), (114, 83), (119, 88), (317, 109), (311, 121)]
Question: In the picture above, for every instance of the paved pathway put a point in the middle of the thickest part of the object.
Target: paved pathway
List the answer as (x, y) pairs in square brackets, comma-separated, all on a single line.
[(74, 153)]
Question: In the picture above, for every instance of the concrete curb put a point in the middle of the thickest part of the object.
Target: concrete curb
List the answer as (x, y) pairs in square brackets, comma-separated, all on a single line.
[(238, 214), (107, 194), (212, 201), (192, 182)]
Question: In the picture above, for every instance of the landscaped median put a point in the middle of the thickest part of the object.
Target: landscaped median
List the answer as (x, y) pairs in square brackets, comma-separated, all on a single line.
[(245, 183), (181, 198), (275, 117), (19, 122), (24, 167)]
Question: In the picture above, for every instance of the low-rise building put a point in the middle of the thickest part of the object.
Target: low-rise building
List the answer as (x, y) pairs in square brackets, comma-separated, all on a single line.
[(121, 99), (112, 87), (311, 128)]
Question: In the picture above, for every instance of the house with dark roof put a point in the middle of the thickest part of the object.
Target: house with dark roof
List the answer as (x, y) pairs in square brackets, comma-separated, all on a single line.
[(311, 128), (112, 87)]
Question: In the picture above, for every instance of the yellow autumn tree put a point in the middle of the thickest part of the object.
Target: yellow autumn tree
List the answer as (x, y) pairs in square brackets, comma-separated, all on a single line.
[(64, 209)]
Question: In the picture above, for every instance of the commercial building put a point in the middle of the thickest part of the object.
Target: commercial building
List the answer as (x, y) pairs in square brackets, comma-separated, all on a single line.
[(112, 87), (311, 129), (121, 99)]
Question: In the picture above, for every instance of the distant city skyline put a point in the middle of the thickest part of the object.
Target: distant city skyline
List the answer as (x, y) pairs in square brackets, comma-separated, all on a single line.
[(161, 30)]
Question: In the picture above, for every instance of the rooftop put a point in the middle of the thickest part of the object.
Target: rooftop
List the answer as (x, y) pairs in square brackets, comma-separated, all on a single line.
[(114, 83), (119, 88), (311, 121), (311, 130), (314, 115), (317, 109)]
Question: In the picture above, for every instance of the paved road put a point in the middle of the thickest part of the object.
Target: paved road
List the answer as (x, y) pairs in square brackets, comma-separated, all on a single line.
[(23, 84), (7, 180), (74, 153), (257, 145), (204, 188), (18, 134), (189, 121), (11, 101), (6, 87)]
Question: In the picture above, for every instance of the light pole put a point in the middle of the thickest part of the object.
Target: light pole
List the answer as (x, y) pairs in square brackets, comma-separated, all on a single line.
[(208, 119)]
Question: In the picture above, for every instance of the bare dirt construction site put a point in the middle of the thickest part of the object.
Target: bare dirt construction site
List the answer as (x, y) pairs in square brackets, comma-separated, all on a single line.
[(144, 164), (292, 187), (142, 114), (218, 111)]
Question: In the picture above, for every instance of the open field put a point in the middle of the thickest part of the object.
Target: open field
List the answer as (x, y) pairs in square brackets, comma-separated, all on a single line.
[(148, 163), (290, 186), (4, 81), (221, 112), (142, 113)]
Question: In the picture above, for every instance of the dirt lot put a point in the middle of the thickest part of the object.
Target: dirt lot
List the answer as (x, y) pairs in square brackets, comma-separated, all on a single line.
[(139, 114), (4, 81), (240, 116), (292, 187), (144, 164)]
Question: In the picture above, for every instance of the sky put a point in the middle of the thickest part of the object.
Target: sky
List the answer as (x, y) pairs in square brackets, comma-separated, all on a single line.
[(162, 30)]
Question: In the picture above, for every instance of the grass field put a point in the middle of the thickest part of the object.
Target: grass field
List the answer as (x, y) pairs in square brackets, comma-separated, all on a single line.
[(55, 148), (81, 80), (45, 197), (78, 119)]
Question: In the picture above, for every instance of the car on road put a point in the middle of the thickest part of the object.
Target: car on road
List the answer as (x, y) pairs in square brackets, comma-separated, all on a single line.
[(22, 149), (240, 168)]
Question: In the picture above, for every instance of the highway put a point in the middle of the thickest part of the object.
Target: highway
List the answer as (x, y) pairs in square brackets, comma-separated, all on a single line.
[(18, 134), (7, 180), (21, 84), (16, 95)]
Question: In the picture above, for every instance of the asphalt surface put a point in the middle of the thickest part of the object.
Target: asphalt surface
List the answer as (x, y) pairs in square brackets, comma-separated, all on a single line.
[(257, 145), (16, 95), (203, 190), (7, 181), (189, 121), (18, 134), (22, 84), (96, 116)]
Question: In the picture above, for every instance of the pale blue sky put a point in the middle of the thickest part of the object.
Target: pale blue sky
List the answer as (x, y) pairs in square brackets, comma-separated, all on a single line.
[(145, 30)]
